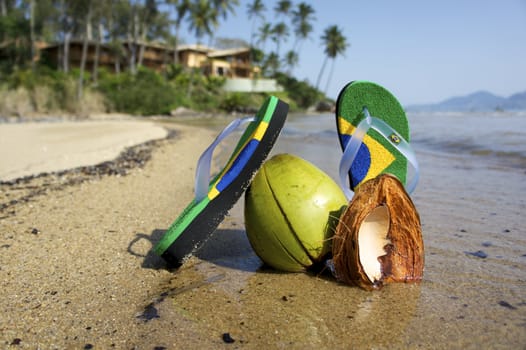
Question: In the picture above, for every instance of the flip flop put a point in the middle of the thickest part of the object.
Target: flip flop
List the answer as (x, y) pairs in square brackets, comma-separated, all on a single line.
[(213, 199), (374, 135)]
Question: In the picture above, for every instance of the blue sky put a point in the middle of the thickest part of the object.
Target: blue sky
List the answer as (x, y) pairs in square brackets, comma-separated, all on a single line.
[(422, 51)]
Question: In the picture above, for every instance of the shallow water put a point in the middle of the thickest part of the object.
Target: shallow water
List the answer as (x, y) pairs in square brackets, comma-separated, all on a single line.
[(490, 137), (471, 199)]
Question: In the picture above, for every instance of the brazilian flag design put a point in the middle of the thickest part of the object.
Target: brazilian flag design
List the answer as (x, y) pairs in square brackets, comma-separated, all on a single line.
[(376, 154), (364, 166), (238, 160)]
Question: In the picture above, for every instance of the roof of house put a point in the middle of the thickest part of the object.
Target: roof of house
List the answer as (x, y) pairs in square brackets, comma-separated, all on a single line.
[(194, 47), (228, 52), (71, 41), (210, 52)]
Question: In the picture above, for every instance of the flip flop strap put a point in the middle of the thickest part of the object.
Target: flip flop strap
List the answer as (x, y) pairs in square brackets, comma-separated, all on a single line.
[(402, 146), (350, 152), (353, 146), (202, 173)]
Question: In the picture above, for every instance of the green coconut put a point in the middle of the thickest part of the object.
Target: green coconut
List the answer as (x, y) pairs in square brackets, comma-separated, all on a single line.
[(291, 211)]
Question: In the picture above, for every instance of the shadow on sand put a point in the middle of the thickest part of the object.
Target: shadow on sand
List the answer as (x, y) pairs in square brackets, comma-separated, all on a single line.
[(227, 247)]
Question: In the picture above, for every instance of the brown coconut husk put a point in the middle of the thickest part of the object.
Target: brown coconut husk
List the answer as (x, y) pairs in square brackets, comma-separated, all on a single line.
[(402, 256)]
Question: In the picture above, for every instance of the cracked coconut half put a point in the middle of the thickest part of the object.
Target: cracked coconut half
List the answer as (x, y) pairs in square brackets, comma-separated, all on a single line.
[(379, 237)]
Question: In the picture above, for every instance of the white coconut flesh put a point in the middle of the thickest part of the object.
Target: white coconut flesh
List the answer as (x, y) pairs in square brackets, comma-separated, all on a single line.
[(372, 238)]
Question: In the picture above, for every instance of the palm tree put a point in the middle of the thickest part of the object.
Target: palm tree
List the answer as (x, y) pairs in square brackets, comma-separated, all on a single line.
[(291, 60), (304, 12), (264, 33), (88, 10), (98, 13), (148, 17), (101, 12), (202, 19), (32, 31), (3, 8), (222, 8), (118, 23), (255, 10), (41, 17), (280, 32), (283, 7), (67, 24), (133, 35), (271, 63), (182, 8), (15, 34), (302, 19), (335, 44)]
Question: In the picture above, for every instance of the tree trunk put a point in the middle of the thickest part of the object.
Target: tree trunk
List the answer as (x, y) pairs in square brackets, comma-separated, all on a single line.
[(32, 32), (3, 12), (330, 76), (67, 37), (176, 43), (84, 53), (142, 46), (131, 58), (165, 61), (65, 58), (133, 45), (95, 72), (321, 72), (89, 31), (116, 55), (3, 8), (190, 84)]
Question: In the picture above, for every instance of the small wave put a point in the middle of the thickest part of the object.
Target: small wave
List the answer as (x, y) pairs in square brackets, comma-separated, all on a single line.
[(294, 132), (507, 154)]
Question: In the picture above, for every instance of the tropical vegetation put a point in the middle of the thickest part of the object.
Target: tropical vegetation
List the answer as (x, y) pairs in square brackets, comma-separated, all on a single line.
[(133, 88)]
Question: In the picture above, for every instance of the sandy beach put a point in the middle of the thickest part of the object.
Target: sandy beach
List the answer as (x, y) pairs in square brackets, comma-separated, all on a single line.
[(33, 148), (76, 270)]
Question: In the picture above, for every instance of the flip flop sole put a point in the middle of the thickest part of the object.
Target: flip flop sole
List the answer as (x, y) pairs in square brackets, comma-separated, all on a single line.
[(376, 154), (200, 219)]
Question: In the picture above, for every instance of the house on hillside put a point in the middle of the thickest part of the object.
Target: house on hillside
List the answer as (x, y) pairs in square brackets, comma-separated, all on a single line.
[(233, 64), (54, 55), (193, 56)]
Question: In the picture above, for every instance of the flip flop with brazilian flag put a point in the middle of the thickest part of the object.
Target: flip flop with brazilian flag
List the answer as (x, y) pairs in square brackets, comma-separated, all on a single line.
[(213, 199), (374, 134)]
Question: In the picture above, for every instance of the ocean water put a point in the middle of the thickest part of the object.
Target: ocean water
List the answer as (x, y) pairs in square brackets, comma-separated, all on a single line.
[(492, 138)]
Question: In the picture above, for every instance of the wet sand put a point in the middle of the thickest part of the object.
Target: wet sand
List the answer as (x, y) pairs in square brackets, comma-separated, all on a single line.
[(76, 269)]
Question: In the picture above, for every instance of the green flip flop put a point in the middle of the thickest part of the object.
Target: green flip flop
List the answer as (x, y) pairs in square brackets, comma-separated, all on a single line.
[(374, 134), (213, 199)]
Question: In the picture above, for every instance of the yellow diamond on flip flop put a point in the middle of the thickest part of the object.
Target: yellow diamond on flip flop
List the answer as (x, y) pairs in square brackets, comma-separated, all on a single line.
[(380, 157)]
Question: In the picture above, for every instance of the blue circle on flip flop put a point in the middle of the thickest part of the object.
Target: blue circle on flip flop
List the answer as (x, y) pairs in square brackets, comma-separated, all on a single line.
[(362, 163), (360, 166)]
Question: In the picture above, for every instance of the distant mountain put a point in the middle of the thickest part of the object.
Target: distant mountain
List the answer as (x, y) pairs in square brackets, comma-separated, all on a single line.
[(481, 101), (517, 101)]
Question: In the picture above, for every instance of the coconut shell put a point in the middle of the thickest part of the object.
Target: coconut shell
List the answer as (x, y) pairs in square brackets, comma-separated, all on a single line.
[(290, 211), (404, 251)]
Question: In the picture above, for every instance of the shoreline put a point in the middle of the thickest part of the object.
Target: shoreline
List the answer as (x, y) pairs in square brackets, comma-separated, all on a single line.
[(28, 187)]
